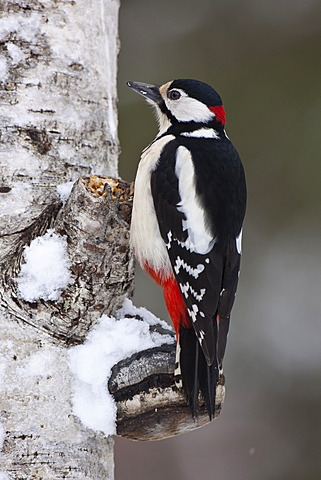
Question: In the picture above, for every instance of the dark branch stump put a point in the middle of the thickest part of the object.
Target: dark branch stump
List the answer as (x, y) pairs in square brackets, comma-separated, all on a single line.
[(149, 406)]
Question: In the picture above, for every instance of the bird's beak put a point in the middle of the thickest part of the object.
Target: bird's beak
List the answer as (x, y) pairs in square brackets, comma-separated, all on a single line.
[(150, 92)]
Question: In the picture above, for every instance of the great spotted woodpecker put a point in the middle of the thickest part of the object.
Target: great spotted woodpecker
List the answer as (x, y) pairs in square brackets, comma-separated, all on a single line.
[(186, 229)]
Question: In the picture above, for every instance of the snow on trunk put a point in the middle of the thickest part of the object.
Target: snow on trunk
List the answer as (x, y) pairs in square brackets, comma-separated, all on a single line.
[(41, 438), (58, 122)]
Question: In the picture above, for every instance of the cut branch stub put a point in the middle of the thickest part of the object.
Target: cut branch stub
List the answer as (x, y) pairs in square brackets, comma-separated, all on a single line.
[(149, 406), (98, 248)]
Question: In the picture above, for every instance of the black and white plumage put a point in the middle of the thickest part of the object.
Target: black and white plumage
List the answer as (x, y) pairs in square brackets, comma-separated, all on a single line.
[(189, 206)]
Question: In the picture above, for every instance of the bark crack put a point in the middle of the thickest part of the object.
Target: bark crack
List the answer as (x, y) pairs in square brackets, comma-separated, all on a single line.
[(102, 265)]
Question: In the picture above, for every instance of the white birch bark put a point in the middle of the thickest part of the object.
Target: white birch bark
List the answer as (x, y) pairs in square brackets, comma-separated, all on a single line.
[(57, 122), (58, 100)]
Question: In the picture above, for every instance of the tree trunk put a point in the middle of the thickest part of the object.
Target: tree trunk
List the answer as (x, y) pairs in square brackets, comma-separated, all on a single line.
[(57, 122)]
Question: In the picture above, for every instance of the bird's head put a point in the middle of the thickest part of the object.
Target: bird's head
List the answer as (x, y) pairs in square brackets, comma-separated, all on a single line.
[(183, 101)]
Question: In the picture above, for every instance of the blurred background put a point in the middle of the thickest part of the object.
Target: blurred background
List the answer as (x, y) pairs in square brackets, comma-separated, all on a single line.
[(264, 58)]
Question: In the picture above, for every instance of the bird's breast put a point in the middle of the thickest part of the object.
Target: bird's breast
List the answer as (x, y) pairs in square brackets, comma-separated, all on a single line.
[(145, 237)]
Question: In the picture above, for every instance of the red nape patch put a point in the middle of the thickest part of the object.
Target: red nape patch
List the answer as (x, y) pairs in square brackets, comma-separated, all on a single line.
[(175, 305), (219, 113)]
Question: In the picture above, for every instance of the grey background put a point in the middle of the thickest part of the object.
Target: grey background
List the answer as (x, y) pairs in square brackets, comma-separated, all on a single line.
[(263, 57)]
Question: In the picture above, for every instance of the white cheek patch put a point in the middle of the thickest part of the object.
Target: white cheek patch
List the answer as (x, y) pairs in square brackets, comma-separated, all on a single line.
[(187, 109), (199, 240)]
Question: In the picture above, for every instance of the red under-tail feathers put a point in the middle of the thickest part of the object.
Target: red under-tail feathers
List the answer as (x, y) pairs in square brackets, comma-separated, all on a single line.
[(173, 299), (191, 369)]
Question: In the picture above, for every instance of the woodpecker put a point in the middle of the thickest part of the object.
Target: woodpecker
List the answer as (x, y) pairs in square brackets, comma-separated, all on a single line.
[(186, 228)]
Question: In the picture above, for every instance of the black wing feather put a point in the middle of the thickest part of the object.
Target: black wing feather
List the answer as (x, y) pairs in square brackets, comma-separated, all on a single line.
[(221, 187)]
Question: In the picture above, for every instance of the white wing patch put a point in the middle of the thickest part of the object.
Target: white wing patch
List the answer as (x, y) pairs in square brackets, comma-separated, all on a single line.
[(201, 335), (186, 288), (193, 312), (187, 244), (194, 272), (199, 238), (239, 243)]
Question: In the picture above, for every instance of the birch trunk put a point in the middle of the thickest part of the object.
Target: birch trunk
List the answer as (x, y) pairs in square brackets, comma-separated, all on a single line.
[(57, 123)]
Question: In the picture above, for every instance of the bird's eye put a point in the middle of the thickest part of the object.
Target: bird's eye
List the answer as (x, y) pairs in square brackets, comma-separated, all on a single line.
[(174, 95)]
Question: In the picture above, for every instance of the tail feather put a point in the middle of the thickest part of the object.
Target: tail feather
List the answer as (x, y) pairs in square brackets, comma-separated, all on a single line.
[(177, 371), (223, 328), (196, 375), (208, 377), (189, 366)]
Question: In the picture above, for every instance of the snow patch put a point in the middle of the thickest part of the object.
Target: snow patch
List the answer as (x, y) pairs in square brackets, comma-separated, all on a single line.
[(2, 435), (25, 28), (111, 340), (39, 364), (2, 374), (129, 308), (46, 272), (3, 69), (64, 190), (4, 476), (16, 54)]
